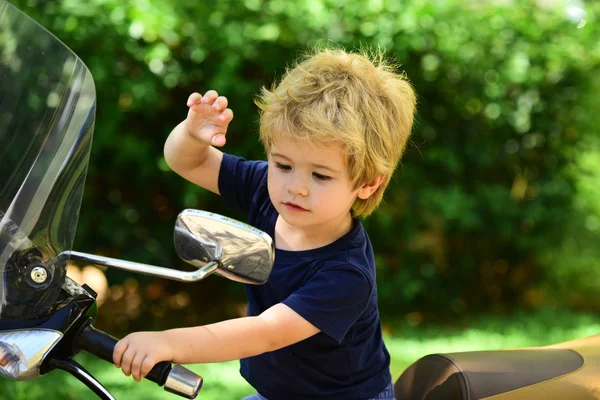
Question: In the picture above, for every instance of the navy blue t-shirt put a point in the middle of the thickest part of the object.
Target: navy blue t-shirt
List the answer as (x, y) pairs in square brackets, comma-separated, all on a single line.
[(333, 287)]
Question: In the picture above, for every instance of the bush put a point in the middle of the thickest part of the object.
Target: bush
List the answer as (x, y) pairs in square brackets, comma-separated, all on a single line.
[(487, 187)]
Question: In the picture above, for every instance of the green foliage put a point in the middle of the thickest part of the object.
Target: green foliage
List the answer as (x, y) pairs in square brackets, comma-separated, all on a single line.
[(489, 187)]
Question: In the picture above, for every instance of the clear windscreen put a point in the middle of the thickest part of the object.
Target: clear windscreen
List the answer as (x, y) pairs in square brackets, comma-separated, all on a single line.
[(47, 108)]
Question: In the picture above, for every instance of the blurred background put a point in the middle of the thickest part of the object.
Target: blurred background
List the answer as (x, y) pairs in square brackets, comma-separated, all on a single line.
[(489, 234)]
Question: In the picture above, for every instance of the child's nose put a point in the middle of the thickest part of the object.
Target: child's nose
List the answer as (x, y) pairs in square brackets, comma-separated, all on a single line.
[(297, 187)]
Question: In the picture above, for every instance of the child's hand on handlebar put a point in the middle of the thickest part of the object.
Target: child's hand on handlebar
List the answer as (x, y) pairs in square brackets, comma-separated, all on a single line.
[(138, 352), (208, 117)]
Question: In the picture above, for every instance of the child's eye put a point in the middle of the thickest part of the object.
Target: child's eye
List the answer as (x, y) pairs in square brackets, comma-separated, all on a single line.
[(282, 167), (321, 177)]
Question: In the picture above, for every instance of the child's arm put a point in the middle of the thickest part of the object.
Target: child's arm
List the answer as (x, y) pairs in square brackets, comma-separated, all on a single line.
[(277, 327), (188, 149)]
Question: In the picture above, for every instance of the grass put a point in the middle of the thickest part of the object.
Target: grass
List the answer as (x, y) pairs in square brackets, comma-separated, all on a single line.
[(222, 381)]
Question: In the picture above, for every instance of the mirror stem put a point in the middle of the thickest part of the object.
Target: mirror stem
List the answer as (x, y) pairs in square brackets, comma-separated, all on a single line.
[(182, 276)]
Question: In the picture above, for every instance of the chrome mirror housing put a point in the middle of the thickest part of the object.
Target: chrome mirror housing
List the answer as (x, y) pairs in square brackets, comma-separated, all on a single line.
[(212, 243), (242, 253)]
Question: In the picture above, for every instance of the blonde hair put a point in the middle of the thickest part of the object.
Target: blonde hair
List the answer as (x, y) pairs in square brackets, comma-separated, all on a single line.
[(354, 99)]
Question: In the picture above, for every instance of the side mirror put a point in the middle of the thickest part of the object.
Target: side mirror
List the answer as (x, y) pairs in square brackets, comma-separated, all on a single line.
[(242, 252), (212, 243)]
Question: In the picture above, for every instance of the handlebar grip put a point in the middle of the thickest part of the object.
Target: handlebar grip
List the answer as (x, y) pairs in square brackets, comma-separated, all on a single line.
[(176, 379)]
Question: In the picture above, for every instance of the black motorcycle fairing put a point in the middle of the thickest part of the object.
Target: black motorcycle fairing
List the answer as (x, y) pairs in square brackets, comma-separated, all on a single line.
[(72, 303)]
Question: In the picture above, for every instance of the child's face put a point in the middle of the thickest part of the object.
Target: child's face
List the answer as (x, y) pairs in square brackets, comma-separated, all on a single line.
[(309, 184)]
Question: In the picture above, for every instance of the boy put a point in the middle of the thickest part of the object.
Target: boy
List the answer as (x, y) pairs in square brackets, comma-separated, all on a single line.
[(334, 130)]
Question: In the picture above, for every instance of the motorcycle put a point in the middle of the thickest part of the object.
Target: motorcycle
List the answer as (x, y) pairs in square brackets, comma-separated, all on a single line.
[(46, 122), (569, 370), (47, 110)]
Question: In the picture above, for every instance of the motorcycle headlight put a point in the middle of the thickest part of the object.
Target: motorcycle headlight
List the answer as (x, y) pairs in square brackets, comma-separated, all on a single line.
[(22, 351)]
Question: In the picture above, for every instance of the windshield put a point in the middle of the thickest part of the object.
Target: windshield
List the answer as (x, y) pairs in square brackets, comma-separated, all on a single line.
[(47, 105)]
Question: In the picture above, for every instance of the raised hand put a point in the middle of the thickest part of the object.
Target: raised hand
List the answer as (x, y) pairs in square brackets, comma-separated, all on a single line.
[(208, 117)]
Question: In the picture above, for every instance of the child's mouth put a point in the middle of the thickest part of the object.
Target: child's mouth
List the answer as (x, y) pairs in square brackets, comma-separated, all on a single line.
[(294, 207)]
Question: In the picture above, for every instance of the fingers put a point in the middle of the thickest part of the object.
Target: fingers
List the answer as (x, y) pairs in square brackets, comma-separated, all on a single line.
[(226, 116), (136, 366), (147, 365), (220, 103), (209, 117), (194, 98), (137, 353), (210, 97), (218, 140), (127, 361), (118, 352)]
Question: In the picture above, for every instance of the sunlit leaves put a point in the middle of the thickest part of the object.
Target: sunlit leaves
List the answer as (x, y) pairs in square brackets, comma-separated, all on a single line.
[(507, 94)]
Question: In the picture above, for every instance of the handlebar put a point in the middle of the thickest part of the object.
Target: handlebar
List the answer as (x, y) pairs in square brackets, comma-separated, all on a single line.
[(176, 379)]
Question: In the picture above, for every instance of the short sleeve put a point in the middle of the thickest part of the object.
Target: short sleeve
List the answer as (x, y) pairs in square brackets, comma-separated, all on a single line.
[(239, 180), (333, 299)]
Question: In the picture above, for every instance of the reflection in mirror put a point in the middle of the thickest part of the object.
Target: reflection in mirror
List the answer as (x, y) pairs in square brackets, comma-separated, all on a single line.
[(243, 253)]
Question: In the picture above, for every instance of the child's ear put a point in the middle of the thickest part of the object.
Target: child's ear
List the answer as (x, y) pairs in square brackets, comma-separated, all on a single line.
[(366, 190)]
